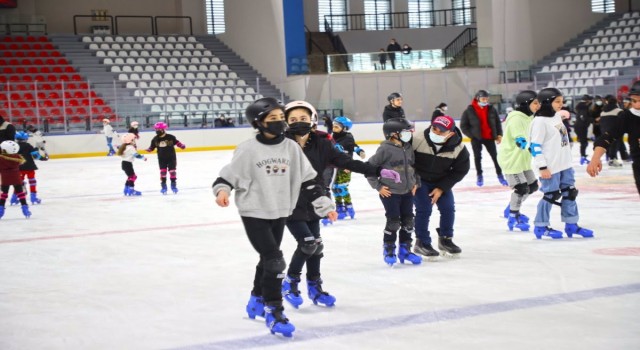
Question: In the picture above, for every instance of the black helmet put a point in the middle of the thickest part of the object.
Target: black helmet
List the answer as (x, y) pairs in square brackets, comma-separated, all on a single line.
[(393, 96), (635, 89), (395, 125), (256, 111), (525, 97), (547, 95), (482, 93)]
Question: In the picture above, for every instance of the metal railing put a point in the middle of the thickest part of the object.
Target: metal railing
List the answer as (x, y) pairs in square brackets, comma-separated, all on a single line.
[(459, 44), (393, 20)]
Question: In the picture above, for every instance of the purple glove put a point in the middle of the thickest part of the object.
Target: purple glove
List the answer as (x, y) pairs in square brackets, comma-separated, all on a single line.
[(390, 174)]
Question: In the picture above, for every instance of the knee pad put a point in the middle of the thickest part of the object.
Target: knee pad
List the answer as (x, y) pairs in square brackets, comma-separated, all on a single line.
[(571, 193), (319, 247), (308, 248), (521, 189), (340, 190), (407, 223), (533, 187), (275, 265), (133, 178), (393, 224), (552, 197)]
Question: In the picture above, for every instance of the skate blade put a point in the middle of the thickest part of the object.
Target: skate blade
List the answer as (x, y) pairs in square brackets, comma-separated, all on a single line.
[(450, 255)]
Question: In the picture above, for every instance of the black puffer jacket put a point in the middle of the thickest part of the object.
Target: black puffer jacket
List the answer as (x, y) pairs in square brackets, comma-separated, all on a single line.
[(392, 112), (322, 154)]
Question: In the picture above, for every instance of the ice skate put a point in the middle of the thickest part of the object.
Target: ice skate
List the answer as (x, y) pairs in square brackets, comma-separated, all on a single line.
[(574, 229), (584, 160), (350, 211), (404, 253), (507, 211), (615, 163), (163, 188), (342, 211), (130, 191), (174, 187), (479, 181), (290, 291), (276, 320), (14, 200), (34, 198), (255, 307), (25, 211), (426, 250), (502, 180), (546, 231), (326, 222), (111, 152), (389, 253), (448, 248), (515, 221), (319, 296), (1, 212)]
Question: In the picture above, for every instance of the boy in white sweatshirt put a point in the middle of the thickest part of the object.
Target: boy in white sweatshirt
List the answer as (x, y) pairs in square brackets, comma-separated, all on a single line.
[(551, 153)]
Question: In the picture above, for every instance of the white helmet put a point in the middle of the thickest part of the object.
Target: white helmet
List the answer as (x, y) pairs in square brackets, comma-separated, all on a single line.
[(105, 120), (128, 138), (11, 147), (134, 124), (302, 104)]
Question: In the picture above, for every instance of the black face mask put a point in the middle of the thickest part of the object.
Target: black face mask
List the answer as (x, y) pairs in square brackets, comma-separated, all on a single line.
[(300, 128), (159, 132), (276, 128)]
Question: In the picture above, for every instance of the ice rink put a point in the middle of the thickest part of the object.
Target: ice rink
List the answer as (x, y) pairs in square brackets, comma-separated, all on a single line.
[(92, 269)]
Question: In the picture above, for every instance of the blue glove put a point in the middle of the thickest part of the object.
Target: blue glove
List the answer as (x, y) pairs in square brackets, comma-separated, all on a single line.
[(521, 142), (390, 174), (535, 149), (339, 147)]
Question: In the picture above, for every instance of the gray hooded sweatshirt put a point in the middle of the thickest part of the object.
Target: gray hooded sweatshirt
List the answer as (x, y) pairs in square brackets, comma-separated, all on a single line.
[(394, 157)]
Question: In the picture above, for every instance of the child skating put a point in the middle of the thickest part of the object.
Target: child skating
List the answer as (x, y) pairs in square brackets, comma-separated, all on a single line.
[(10, 162), (345, 143), (109, 134), (28, 168), (166, 143), (129, 152)]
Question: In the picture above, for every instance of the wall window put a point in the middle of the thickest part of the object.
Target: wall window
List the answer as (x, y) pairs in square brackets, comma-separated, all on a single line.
[(336, 10), (461, 12), (215, 16), (377, 14), (420, 13), (603, 6)]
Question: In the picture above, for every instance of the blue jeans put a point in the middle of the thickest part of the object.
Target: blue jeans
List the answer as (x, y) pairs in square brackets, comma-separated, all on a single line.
[(569, 208), (446, 206), (110, 144)]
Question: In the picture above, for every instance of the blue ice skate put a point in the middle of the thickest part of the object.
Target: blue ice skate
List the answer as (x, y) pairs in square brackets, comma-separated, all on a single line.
[(130, 191), (574, 229), (277, 321), (255, 307), (163, 190), (290, 291), (1, 212), (342, 211), (502, 180), (389, 253), (404, 253), (350, 211), (25, 211), (515, 220), (111, 152), (480, 181), (34, 198), (174, 188), (14, 200), (584, 160), (326, 222), (507, 211), (317, 295), (546, 231)]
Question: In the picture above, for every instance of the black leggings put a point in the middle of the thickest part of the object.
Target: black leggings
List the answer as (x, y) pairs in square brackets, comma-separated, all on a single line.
[(18, 190), (305, 232), (265, 237), (490, 145), (581, 133), (636, 173)]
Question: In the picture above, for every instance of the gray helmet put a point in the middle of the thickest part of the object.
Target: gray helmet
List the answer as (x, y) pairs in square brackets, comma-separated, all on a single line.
[(482, 93), (256, 111), (547, 95), (395, 125), (393, 96)]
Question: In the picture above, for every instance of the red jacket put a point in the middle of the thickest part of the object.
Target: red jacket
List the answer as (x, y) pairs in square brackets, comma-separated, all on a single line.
[(10, 169)]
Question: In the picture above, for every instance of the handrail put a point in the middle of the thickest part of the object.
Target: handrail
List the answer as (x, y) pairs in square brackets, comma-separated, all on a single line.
[(116, 31), (312, 42), (75, 22), (458, 44), (187, 17), (393, 20)]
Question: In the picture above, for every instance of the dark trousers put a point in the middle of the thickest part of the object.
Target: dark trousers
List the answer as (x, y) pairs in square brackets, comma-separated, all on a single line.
[(265, 237), (18, 190), (127, 167), (446, 206), (490, 145), (636, 173), (305, 232), (581, 133), (398, 207)]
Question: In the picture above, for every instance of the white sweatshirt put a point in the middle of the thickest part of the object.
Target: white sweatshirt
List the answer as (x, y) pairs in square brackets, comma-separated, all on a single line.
[(107, 130), (130, 152), (550, 145)]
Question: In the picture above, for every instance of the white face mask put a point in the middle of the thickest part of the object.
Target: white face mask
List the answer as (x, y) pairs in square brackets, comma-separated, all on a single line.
[(483, 104), (444, 108), (635, 112), (437, 138), (405, 136), (598, 103)]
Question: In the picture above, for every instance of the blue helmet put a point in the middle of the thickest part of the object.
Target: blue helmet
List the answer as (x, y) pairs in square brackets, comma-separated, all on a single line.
[(21, 135), (344, 121)]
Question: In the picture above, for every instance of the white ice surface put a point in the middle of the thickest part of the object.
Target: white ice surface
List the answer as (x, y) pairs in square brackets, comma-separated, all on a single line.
[(93, 269)]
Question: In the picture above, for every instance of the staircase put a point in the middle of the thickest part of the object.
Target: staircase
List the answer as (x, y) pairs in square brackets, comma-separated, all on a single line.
[(241, 67)]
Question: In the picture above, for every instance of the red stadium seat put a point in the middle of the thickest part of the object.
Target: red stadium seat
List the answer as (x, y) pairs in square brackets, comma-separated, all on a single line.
[(76, 77), (43, 39), (62, 61), (50, 62)]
